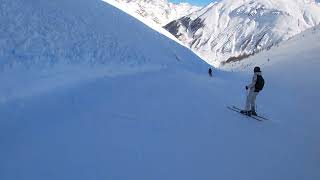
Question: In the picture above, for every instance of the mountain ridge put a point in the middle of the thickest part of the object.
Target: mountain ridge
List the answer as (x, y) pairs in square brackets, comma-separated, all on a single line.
[(231, 29)]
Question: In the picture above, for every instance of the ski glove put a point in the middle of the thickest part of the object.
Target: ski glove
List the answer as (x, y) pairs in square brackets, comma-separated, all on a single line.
[(246, 87)]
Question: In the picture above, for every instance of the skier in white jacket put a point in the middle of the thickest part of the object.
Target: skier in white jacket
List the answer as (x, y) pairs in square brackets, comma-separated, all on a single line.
[(254, 88)]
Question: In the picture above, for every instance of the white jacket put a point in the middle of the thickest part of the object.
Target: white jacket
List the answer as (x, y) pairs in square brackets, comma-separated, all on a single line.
[(254, 80)]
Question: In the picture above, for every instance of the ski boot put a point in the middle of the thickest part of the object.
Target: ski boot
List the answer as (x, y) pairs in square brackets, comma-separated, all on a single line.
[(247, 113), (253, 111)]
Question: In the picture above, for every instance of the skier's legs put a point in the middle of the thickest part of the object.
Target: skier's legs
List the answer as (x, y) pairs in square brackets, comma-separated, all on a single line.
[(248, 101), (253, 100)]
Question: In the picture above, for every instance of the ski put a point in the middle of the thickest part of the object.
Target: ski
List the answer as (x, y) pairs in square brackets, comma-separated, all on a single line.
[(238, 111), (235, 107)]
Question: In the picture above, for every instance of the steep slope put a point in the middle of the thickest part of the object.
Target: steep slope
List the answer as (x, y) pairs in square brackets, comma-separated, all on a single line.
[(231, 30), (159, 11), (123, 121), (42, 36)]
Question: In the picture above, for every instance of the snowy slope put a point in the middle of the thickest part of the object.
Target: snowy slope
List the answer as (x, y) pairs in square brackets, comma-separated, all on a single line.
[(230, 30), (40, 35), (159, 11), (302, 46), (130, 119), (58, 35)]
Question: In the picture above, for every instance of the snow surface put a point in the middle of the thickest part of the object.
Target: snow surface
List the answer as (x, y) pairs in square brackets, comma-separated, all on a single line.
[(231, 29), (41, 36), (158, 119)]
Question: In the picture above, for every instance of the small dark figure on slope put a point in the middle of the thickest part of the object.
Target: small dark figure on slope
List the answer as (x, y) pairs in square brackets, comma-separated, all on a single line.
[(210, 72)]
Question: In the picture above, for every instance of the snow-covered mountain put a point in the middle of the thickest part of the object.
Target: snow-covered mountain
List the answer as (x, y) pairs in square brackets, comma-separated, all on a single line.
[(159, 11), (231, 30)]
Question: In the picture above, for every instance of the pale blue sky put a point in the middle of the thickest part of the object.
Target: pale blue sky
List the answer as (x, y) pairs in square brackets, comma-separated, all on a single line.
[(199, 2), (194, 2)]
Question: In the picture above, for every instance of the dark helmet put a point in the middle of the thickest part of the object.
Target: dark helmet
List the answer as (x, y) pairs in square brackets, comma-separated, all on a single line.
[(256, 69)]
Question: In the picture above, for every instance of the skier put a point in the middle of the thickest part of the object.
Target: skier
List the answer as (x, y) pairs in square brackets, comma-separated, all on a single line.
[(210, 72), (254, 88)]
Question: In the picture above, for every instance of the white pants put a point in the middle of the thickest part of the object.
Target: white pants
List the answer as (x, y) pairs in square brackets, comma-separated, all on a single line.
[(251, 100)]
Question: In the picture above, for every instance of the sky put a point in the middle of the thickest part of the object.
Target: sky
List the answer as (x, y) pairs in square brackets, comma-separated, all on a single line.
[(194, 2), (200, 2)]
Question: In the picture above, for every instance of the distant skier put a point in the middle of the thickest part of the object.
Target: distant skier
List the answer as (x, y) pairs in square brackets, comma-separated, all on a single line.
[(254, 88), (210, 72)]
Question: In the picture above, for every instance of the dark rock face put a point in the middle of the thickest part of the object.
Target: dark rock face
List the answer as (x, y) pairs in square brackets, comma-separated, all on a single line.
[(173, 28), (196, 24), (185, 22)]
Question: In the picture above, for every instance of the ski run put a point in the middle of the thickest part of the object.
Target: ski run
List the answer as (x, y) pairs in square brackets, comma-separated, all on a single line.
[(90, 93)]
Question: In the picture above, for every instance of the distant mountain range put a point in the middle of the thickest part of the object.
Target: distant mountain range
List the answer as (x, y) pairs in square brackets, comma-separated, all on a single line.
[(231, 30), (226, 31)]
